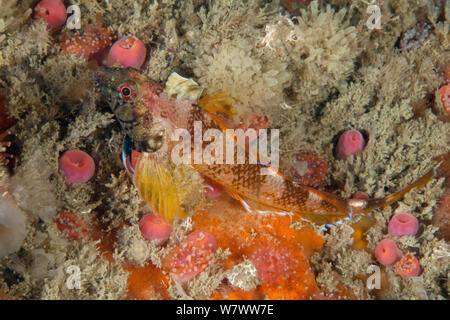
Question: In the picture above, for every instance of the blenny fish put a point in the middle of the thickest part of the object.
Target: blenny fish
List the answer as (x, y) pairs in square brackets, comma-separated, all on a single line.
[(150, 112)]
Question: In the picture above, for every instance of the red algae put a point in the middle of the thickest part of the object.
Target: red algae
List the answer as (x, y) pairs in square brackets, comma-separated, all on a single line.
[(403, 224), (77, 166), (408, 266), (154, 227), (53, 12), (386, 252), (314, 170), (127, 52)]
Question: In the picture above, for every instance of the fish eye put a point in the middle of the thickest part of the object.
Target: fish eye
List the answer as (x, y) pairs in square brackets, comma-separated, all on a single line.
[(126, 91)]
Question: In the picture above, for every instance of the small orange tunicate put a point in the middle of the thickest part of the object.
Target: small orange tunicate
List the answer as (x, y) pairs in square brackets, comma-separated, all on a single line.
[(51, 11), (386, 252), (154, 227), (403, 224), (77, 166), (127, 52), (350, 143)]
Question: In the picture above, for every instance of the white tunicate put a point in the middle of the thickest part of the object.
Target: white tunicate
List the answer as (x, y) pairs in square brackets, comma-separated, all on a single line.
[(12, 225)]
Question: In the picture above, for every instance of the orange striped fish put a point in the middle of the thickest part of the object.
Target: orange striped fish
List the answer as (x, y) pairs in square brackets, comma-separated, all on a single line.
[(150, 113)]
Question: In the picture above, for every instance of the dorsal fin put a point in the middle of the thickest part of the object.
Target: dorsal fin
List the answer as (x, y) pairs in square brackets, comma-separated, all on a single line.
[(221, 102)]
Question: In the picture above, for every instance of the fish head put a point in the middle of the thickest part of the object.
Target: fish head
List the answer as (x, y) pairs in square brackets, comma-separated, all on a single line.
[(120, 89), (128, 93)]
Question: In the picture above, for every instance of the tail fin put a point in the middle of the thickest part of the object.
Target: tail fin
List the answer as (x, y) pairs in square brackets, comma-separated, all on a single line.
[(442, 169)]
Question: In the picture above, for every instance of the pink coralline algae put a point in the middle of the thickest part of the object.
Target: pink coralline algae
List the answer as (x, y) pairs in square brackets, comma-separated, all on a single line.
[(77, 166), (51, 11), (127, 52), (403, 224), (350, 143)]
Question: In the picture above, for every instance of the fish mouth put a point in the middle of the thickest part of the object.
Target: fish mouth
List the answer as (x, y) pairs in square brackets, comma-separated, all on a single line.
[(156, 141), (151, 142), (146, 139)]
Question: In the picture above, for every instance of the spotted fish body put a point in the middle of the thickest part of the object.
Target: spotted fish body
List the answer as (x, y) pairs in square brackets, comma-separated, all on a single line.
[(150, 115)]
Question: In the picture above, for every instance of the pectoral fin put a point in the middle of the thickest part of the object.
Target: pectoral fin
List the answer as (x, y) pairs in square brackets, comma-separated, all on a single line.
[(156, 186)]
